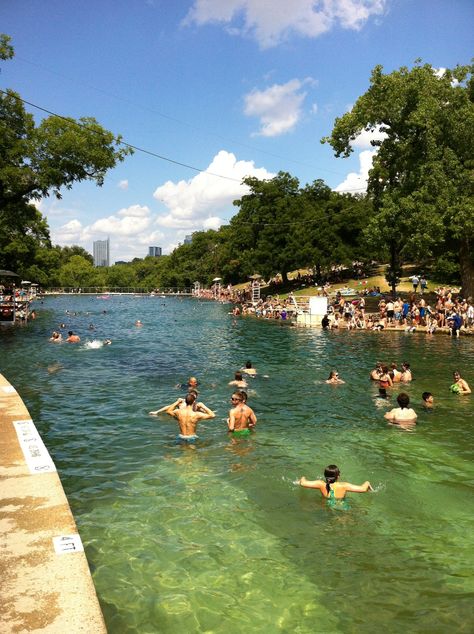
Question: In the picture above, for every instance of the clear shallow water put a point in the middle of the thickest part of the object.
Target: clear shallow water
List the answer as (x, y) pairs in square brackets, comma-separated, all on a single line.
[(218, 538)]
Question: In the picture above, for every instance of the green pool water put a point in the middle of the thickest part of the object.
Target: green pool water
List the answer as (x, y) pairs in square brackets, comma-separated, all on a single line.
[(217, 537)]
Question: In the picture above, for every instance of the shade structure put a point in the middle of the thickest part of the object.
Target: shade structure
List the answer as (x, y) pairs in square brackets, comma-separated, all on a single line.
[(4, 273)]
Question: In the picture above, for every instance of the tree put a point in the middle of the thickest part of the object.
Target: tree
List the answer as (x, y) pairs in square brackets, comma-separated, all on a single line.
[(422, 179), (37, 161), (262, 226)]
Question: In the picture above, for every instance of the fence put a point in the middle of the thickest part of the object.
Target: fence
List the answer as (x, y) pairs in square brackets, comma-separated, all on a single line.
[(108, 290)]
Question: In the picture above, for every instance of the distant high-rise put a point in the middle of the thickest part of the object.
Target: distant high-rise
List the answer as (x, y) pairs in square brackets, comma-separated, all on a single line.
[(155, 252), (101, 252)]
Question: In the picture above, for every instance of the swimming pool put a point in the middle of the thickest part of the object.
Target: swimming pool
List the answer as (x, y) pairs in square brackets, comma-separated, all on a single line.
[(217, 537)]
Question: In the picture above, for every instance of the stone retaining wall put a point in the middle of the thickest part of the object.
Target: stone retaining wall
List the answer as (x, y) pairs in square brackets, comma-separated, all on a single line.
[(46, 584)]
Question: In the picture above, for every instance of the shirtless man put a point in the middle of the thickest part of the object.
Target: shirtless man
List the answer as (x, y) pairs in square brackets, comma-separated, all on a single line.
[(239, 381), (72, 338), (376, 372), (188, 418), (241, 417)]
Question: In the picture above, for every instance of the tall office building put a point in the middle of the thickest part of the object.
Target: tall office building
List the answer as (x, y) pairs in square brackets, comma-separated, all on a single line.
[(154, 251), (101, 252)]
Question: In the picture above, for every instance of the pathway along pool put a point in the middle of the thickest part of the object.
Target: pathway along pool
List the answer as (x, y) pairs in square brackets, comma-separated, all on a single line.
[(218, 538)]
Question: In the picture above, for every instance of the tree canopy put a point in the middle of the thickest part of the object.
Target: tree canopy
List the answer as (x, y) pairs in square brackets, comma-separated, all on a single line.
[(422, 179)]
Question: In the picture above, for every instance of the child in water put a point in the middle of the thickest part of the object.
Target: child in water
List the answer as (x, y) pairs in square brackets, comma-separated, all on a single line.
[(331, 488)]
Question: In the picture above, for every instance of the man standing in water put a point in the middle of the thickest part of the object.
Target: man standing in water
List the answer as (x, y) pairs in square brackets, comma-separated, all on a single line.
[(188, 417), (241, 417)]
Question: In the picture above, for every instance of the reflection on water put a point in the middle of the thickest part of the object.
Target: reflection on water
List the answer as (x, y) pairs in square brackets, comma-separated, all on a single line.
[(218, 537)]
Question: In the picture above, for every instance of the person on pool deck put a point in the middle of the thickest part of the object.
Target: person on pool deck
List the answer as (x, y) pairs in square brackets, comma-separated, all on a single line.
[(428, 400), (248, 369), (242, 418), (331, 488), (333, 378), (188, 418), (239, 381), (402, 414), (460, 386)]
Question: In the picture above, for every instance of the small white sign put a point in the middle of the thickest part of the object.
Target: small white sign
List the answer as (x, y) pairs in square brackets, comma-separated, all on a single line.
[(318, 305), (9, 389), (36, 455), (68, 544)]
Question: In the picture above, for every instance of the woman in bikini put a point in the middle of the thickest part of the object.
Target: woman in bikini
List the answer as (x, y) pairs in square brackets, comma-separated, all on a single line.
[(331, 488)]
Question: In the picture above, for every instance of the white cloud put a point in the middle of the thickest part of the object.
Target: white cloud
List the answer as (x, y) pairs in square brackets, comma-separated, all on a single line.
[(197, 201), (278, 107), (356, 182), (363, 140), (273, 21), (130, 232), (123, 185)]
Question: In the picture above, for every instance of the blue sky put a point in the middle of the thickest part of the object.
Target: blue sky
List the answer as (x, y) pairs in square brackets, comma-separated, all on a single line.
[(234, 87)]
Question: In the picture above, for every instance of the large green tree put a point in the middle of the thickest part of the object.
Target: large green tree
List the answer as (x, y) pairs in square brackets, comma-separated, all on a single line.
[(37, 161), (261, 228), (422, 180)]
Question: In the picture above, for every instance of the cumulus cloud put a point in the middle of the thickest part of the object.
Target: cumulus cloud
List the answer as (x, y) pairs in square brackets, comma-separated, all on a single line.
[(123, 185), (272, 22), (278, 107), (205, 198), (364, 139), (130, 232), (356, 182)]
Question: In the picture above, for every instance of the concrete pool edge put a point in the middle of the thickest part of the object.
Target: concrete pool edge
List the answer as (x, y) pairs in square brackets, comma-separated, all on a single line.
[(46, 581)]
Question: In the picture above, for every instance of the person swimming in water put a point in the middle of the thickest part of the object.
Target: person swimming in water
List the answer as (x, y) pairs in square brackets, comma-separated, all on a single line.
[(402, 415), (331, 488), (248, 369), (428, 400), (242, 418), (188, 417), (239, 381), (385, 381), (460, 386), (333, 378)]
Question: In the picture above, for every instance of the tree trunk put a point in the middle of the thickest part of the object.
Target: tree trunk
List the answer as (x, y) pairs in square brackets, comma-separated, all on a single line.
[(284, 277), (466, 263)]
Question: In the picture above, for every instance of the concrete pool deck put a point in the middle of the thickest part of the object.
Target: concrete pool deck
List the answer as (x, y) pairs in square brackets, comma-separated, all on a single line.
[(46, 585)]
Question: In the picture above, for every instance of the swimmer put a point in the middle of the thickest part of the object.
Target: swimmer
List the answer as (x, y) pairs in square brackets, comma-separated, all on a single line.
[(385, 381), (333, 378), (428, 400), (331, 488), (239, 381), (242, 418), (406, 376), (403, 414), (107, 342), (188, 418), (395, 373), (56, 337), (138, 323), (376, 372), (460, 386), (72, 338), (181, 402), (248, 369)]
